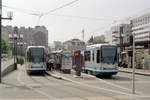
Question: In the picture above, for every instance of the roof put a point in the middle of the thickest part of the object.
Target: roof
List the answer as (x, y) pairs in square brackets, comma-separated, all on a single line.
[(141, 14), (92, 47), (35, 47)]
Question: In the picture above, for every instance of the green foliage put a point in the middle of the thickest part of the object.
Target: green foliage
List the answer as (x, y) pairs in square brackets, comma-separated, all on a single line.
[(20, 59), (5, 47)]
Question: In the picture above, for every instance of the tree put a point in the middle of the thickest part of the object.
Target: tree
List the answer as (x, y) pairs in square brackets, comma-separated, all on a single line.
[(5, 47), (97, 39), (91, 39)]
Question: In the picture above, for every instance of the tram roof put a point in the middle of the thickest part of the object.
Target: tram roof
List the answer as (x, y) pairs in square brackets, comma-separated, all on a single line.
[(35, 47), (98, 46)]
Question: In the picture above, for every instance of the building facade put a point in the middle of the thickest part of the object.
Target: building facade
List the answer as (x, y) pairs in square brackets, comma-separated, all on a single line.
[(31, 36), (108, 36), (122, 31), (5, 33), (73, 45), (141, 26), (58, 45)]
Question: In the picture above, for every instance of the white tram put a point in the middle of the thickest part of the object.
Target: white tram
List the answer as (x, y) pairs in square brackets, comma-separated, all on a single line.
[(35, 59), (100, 60)]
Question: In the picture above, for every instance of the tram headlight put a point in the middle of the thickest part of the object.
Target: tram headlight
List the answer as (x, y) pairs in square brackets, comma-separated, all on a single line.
[(44, 67)]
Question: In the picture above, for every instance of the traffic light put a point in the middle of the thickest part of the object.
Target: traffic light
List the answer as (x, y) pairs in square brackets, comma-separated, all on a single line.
[(131, 40)]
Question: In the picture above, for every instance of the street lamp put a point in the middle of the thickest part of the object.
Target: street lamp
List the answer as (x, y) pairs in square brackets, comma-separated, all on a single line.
[(10, 15), (15, 36)]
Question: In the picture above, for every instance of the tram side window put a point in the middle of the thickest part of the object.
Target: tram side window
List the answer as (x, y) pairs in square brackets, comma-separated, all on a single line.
[(98, 56), (87, 55), (28, 56), (93, 56)]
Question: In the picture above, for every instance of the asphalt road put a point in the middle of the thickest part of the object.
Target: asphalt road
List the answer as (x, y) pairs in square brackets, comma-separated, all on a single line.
[(20, 86)]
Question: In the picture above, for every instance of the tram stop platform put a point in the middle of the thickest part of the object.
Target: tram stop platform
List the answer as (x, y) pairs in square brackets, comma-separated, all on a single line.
[(137, 71), (72, 77)]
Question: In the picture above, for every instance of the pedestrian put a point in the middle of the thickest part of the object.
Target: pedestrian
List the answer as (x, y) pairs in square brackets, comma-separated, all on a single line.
[(50, 64), (47, 64), (77, 68)]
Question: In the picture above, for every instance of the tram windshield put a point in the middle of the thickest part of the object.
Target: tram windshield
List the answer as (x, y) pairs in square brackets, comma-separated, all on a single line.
[(109, 54), (36, 55)]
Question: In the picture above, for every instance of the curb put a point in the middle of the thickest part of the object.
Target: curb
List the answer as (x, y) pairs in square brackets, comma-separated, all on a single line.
[(54, 75), (135, 72)]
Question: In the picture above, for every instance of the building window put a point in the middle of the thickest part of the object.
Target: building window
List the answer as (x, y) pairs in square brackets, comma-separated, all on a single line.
[(87, 55)]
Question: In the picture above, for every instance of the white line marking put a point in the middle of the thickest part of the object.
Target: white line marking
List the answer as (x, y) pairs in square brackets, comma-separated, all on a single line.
[(114, 91), (115, 85), (38, 91)]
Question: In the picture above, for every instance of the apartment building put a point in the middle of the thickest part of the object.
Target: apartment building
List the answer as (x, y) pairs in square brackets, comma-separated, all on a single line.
[(141, 26)]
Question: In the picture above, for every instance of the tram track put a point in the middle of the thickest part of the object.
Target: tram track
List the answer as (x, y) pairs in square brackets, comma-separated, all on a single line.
[(82, 89), (71, 85), (30, 87)]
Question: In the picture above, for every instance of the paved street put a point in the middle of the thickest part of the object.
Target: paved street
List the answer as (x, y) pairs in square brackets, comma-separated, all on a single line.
[(19, 86)]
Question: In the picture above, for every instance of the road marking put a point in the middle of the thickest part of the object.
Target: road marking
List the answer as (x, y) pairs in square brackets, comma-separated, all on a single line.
[(36, 90), (24, 99), (113, 91), (100, 98), (115, 85), (72, 99)]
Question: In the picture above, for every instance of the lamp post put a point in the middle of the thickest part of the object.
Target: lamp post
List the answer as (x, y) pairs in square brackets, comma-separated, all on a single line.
[(0, 38), (9, 15), (15, 36)]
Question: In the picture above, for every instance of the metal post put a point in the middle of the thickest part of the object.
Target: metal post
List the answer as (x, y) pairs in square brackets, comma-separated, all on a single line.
[(121, 42), (14, 54), (16, 50), (0, 38), (133, 66), (149, 52)]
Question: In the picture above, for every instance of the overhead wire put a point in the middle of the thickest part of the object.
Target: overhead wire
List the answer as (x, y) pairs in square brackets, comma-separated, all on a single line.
[(63, 6), (40, 15), (31, 12), (82, 17), (27, 11)]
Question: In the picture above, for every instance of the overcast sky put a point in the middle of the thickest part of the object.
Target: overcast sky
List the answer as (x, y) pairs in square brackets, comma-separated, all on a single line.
[(64, 28)]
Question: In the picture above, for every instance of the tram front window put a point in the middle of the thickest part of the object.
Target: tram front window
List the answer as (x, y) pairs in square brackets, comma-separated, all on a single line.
[(36, 55), (109, 54)]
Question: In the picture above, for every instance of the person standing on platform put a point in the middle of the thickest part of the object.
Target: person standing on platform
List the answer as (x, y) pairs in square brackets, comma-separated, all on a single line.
[(143, 63)]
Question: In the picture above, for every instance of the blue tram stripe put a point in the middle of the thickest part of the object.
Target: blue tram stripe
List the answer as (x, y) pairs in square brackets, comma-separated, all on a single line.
[(92, 67), (98, 68)]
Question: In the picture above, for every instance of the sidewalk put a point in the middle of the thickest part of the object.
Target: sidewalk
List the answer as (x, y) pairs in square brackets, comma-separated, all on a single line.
[(137, 71)]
